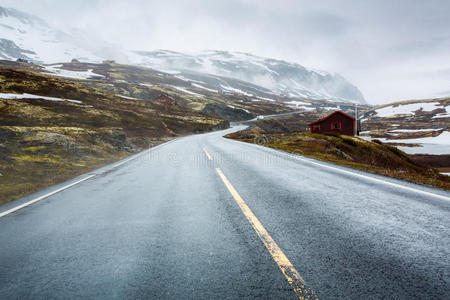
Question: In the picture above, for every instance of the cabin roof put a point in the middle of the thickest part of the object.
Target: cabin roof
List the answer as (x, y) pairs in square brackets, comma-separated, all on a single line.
[(330, 115)]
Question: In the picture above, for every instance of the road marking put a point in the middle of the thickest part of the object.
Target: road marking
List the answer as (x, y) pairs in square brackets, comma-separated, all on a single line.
[(7, 212), (379, 180), (207, 154), (127, 160), (310, 160), (293, 277)]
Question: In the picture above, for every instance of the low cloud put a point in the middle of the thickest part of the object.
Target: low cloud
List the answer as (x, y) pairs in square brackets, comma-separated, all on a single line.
[(377, 45)]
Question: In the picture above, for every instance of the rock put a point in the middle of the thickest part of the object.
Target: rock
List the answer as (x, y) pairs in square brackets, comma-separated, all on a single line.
[(6, 135), (227, 113), (343, 154)]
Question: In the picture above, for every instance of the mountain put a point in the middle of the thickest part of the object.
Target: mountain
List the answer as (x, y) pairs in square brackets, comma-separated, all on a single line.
[(281, 77), (29, 37)]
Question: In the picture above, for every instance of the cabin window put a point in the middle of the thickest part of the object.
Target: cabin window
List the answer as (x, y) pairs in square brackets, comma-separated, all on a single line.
[(336, 125), (316, 127)]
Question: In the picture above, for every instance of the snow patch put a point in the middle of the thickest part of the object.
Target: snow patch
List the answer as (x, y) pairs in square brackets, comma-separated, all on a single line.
[(416, 130), (442, 139), (307, 108), (31, 96), (146, 84), (297, 103), (171, 72), (56, 71), (234, 90), (234, 107), (406, 109), (187, 91), (205, 88), (126, 97), (188, 79), (428, 145), (267, 99)]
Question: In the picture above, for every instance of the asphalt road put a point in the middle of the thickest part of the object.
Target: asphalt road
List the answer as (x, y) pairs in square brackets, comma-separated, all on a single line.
[(165, 225)]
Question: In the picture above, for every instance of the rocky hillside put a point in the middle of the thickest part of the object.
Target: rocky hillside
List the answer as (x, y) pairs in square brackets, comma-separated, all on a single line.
[(52, 129), (197, 91), (141, 83)]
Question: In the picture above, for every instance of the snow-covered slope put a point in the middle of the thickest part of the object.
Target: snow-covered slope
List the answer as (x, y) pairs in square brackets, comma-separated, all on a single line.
[(423, 122), (281, 77), (26, 36), (439, 108), (29, 37)]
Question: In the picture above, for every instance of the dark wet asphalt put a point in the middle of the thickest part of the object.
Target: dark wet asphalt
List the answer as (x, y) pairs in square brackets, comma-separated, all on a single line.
[(165, 226)]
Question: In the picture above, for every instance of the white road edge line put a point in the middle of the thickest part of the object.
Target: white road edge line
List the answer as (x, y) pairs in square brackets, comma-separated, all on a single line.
[(298, 157), (379, 180), (142, 153), (7, 212)]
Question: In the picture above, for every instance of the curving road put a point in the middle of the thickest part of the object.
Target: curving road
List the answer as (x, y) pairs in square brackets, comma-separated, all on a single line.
[(207, 217)]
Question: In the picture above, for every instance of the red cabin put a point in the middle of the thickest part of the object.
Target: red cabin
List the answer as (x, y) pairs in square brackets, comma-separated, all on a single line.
[(165, 99), (336, 123)]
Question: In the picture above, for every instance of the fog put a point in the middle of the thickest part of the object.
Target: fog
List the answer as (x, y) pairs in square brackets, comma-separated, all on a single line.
[(391, 50)]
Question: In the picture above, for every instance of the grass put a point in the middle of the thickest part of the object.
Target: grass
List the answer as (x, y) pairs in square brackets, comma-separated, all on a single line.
[(45, 142), (351, 152)]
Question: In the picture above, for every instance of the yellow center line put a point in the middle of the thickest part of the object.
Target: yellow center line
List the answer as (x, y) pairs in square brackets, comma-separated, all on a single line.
[(293, 277), (207, 154)]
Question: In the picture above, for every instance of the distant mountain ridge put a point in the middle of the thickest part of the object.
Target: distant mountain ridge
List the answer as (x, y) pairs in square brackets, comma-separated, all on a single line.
[(29, 37), (281, 77)]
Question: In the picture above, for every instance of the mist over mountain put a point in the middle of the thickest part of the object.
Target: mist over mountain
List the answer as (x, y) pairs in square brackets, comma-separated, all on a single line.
[(29, 37), (26, 36), (282, 77)]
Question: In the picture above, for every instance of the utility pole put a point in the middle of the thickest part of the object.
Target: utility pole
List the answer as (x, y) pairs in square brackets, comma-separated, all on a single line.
[(356, 119)]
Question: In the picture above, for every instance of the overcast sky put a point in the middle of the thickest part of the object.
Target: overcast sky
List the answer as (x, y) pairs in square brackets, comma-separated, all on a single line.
[(392, 50)]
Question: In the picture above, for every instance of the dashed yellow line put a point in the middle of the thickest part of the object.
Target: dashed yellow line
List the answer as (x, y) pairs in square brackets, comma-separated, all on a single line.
[(293, 277), (207, 154)]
